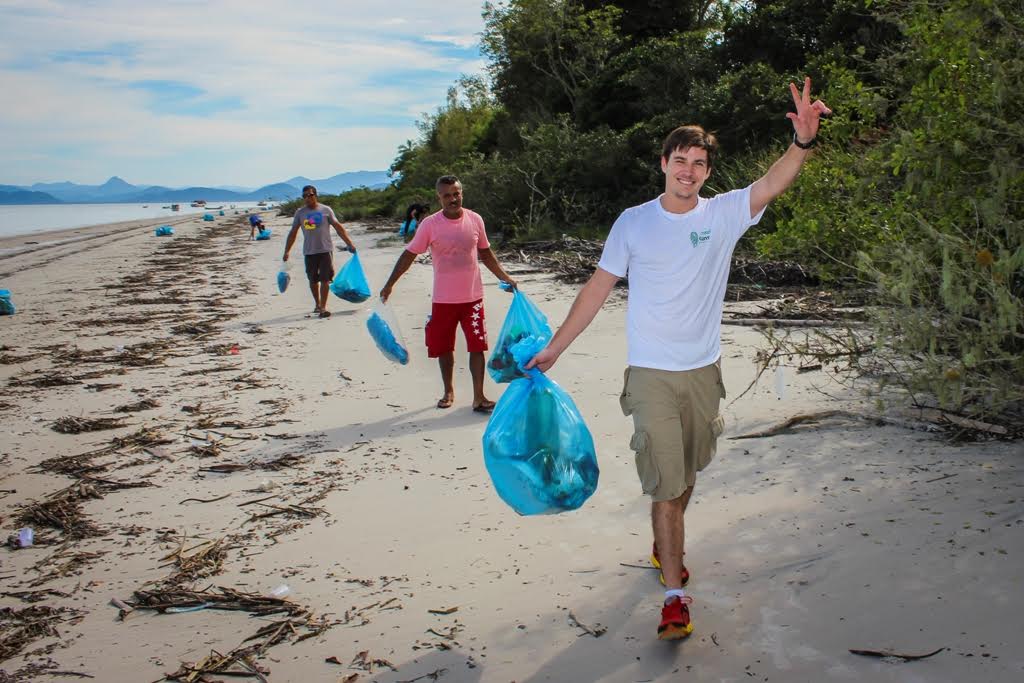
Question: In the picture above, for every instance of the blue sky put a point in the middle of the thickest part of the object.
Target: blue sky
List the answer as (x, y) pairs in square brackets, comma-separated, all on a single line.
[(235, 92)]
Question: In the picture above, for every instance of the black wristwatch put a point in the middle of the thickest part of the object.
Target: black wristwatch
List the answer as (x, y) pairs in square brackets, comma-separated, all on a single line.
[(805, 145)]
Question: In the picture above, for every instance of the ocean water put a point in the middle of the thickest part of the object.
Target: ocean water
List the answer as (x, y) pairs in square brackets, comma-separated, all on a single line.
[(19, 219)]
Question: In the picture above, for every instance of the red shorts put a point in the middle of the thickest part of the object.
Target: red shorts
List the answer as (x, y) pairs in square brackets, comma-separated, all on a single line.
[(444, 318)]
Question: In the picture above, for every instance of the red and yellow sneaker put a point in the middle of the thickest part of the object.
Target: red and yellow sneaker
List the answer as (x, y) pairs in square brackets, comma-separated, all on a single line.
[(675, 619), (656, 563)]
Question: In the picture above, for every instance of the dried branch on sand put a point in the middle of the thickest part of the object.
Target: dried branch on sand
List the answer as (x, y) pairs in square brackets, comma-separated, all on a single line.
[(77, 425), (21, 627)]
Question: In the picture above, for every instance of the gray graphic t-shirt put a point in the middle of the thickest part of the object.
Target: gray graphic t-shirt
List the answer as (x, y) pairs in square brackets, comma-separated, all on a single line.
[(316, 229)]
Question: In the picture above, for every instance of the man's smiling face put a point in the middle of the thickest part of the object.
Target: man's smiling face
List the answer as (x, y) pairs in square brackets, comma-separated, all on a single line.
[(685, 172)]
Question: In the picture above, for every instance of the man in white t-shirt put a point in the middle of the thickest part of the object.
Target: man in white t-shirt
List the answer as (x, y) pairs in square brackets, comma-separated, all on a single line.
[(676, 252)]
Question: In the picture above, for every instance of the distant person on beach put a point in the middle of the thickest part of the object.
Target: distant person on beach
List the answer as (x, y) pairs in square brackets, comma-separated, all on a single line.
[(457, 242), (316, 221), (255, 223), (673, 383), (413, 217)]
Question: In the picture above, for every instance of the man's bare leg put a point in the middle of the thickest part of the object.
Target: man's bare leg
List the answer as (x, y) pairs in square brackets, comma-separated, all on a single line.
[(667, 519), (476, 369), (325, 289), (447, 364), (682, 525), (314, 289)]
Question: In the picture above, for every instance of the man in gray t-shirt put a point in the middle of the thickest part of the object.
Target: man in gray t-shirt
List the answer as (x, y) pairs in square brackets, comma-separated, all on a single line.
[(316, 221)]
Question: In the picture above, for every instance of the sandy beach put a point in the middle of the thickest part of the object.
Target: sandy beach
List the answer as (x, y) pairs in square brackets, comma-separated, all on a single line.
[(262, 447)]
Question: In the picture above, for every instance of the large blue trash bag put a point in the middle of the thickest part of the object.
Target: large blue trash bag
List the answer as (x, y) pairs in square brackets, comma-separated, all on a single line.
[(284, 277), (350, 283), (386, 334), (537, 449), (164, 230), (6, 305), (207, 216), (264, 234), (523, 320)]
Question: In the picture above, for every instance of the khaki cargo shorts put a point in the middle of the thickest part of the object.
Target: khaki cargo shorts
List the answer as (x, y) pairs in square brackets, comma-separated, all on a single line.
[(676, 425)]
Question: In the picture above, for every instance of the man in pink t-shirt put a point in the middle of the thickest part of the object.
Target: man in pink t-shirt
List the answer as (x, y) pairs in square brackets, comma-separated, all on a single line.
[(457, 242)]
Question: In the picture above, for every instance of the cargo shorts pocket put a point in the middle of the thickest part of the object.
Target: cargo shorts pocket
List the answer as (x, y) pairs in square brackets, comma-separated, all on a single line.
[(646, 467), (716, 427), (721, 382), (624, 403)]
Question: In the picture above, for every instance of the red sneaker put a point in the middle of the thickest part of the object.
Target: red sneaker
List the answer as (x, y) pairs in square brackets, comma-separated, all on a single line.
[(675, 619), (656, 562)]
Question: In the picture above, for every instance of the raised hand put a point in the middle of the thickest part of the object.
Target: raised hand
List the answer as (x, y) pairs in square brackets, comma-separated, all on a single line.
[(807, 116)]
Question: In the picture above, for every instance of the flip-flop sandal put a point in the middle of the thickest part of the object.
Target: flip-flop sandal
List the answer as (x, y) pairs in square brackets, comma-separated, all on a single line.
[(485, 408), (445, 403), (325, 314)]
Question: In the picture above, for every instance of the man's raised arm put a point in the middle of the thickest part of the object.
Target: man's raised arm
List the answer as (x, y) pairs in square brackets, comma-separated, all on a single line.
[(784, 171)]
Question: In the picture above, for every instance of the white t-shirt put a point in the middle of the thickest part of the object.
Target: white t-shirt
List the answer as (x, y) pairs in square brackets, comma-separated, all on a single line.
[(678, 267)]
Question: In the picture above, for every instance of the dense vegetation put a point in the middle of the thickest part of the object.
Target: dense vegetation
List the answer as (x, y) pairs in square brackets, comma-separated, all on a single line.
[(917, 188)]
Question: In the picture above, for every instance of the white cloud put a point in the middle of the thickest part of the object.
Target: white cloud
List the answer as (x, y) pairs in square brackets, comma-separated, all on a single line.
[(74, 110), (464, 41)]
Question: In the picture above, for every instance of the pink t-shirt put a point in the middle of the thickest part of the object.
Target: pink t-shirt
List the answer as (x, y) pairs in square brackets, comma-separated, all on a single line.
[(453, 248)]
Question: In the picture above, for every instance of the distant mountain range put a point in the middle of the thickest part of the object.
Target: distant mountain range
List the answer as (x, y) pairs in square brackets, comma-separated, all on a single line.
[(117, 191)]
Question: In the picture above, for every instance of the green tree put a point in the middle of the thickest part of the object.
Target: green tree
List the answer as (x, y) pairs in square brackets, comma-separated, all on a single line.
[(545, 54)]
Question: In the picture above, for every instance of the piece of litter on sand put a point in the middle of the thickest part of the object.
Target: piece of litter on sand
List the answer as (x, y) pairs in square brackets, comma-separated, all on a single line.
[(203, 500), (433, 675), (444, 610), (596, 631), (184, 610), (887, 654), (124, 609)]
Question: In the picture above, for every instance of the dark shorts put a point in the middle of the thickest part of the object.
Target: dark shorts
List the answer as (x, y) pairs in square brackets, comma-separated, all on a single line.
[(320, 267), (445, 318)]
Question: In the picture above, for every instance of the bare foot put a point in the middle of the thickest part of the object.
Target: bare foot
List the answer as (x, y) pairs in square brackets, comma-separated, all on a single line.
[(484, 406)]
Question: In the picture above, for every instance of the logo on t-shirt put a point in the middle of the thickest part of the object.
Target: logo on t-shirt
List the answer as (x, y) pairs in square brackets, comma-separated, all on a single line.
[(697, 239), (312, 221)]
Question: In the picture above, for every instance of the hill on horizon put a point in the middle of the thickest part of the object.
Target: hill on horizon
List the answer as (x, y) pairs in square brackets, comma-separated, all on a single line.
[(117, 190)]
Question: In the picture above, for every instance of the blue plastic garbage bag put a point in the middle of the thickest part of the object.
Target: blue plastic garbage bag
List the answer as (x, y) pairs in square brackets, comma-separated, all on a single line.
[(6, 305), (164, 230), (264, 234), (350, 283), (386, 334), (284, 277), (523, 320), (207, 216), (220, 213), (537, 449)]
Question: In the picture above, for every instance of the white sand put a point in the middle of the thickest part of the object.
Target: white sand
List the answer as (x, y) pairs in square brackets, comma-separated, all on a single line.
[(800, 546)]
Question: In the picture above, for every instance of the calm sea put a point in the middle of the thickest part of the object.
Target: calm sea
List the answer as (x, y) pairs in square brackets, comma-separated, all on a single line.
[(21, 219)]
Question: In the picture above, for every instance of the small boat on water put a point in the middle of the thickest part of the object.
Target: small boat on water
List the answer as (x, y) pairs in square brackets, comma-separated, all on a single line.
[(262, 204), (214, 208), (199, 203)]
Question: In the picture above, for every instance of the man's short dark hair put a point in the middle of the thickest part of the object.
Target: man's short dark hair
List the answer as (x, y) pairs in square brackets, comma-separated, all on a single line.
[(685, 137), (307, 188), (446, 180)]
